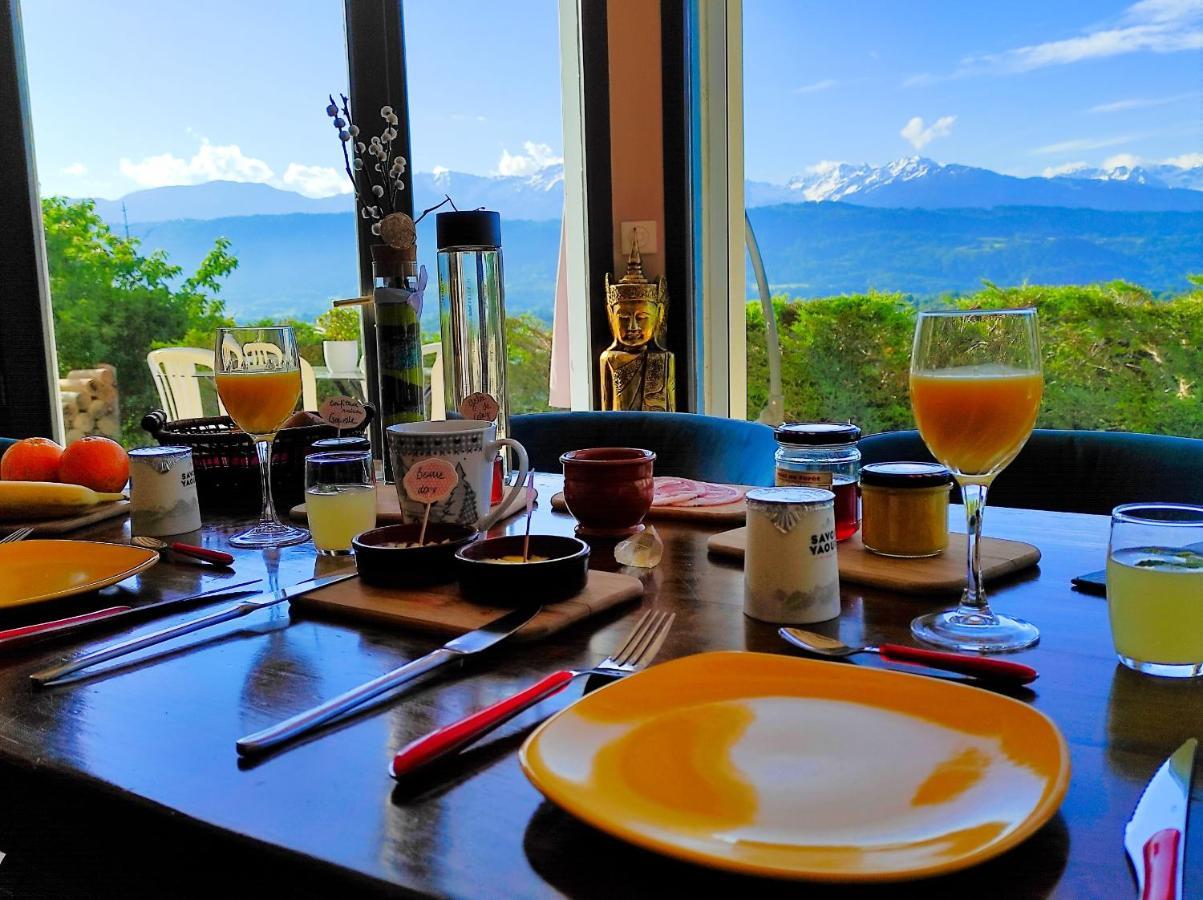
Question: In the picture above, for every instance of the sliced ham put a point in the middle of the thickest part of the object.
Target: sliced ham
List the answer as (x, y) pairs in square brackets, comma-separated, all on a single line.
[(675, 491), (687, 492), (715, 495)]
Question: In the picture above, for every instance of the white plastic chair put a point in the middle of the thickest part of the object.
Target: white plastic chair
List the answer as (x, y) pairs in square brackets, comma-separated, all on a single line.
[(176, 379), (174, 370), (438, 402)]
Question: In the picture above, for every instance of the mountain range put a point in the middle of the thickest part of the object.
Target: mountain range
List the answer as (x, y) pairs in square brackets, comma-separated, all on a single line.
[(915, 182), (913, 225)]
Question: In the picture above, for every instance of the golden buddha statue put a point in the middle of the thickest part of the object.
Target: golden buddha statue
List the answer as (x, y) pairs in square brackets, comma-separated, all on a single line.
[(637, 372)]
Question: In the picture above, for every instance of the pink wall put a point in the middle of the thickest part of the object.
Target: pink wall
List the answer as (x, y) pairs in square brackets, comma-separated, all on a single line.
[(636, 123)]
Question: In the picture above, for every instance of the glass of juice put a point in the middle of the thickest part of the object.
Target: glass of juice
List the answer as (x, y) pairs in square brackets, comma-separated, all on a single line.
[(976, 382), (258, 377), (340, 498), (1155, 588)]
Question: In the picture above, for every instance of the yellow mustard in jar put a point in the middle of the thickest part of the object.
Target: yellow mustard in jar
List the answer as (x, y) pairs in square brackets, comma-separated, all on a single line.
[(904, 508)]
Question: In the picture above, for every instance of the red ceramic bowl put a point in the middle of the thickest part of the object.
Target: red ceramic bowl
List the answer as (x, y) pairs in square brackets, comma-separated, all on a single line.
[(608, 489)]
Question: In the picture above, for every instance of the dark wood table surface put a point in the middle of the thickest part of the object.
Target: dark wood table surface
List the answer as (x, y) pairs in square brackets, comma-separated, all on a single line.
[(127, 781)]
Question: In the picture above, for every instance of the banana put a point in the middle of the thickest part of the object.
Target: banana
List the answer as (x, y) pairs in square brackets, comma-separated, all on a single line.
[(21, 500)]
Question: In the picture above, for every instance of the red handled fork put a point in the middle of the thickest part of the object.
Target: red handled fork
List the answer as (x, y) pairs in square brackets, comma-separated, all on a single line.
[(638, 650)]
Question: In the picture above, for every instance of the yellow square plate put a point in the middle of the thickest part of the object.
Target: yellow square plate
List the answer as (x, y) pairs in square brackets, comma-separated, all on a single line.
[(33, 571), (794, 768)]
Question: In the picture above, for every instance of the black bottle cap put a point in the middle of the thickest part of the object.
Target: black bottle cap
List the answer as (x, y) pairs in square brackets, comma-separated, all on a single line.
[(471, 228), (817, 434), (905, 475)]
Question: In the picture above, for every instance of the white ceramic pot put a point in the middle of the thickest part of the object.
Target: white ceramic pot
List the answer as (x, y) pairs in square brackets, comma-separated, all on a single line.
[(341, 356)]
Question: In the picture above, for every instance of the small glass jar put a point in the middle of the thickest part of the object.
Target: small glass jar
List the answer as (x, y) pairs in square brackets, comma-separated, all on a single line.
[(904, 508), (822, 455)]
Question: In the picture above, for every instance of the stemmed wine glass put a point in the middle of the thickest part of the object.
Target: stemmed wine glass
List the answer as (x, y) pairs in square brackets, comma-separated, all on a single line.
[(258, 375), (976, 383)]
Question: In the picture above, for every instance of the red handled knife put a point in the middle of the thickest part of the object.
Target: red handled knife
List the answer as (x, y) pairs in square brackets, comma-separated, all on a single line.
[(1155, 836)]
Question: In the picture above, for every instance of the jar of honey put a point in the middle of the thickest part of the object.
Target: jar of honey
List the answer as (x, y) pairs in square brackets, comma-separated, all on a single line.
[(904, 508)]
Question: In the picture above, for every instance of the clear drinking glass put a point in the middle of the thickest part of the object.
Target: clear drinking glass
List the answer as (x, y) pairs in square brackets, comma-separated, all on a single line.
[(1155, 588), (976, 383), (340, 498), (258, 376)]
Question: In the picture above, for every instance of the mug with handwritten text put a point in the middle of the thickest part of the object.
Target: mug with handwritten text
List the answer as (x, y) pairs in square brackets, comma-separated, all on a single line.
[(470, 447)]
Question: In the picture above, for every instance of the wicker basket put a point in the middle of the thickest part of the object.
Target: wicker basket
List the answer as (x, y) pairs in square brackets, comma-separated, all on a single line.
[(226, 464)]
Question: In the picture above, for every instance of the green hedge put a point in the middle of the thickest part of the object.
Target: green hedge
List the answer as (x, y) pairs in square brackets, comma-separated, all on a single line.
[(1115, 356)]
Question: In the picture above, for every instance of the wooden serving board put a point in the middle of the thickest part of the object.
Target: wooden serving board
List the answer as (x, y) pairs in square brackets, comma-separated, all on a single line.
[(388, 507), (935, 574), (42, 527), (441, 609), (727, 512)]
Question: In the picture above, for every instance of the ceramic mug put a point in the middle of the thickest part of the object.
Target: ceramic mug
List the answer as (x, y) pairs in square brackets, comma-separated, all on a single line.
[(470, 446)]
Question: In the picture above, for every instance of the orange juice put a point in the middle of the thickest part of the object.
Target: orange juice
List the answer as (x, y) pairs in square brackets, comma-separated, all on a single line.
[(975, 419), (259, 402)]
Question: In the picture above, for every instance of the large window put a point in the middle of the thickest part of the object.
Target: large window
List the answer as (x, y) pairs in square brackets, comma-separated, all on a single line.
[(189, 176), (486, 126), (1003, 155)]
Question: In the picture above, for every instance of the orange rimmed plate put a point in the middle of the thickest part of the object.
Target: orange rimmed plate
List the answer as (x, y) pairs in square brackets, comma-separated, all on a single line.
[(794, 768), (33, 571)]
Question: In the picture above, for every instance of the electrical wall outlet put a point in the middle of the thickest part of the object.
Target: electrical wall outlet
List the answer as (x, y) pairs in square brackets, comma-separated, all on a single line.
[(647, 237)]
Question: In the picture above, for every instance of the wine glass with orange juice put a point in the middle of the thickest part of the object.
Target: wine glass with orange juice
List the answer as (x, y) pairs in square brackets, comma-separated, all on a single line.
[(258, 375), (976, 383)]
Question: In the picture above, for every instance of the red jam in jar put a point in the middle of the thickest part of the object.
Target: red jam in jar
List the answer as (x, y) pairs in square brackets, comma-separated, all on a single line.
[(823, 455)]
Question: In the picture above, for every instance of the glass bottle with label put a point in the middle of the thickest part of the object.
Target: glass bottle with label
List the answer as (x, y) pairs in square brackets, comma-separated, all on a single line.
[(823, 455)]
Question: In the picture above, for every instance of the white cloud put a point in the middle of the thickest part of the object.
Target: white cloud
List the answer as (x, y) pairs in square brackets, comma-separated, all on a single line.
[(1084, 144), (1066, 169), (1140, 103), (1154, 26), (920, 136), (316, 181), (537, 157), (921, 80), (815, 87), (1186, 160), (823, 166), (211, 162), (227, 162), (76, 169)]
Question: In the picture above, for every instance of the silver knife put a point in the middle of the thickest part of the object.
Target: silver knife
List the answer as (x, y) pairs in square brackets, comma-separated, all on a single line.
[(454, 650), (1155, 836), (47, 677)]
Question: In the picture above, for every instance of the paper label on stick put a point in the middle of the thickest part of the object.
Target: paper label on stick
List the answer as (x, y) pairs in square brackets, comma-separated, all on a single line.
[(343, 412), (480, 406), (430, 481)]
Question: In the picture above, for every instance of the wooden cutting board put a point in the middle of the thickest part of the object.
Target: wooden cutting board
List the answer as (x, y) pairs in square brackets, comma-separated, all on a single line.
[(441, 609), (935, 574), (727, 512), (43, 527), (388, 507)]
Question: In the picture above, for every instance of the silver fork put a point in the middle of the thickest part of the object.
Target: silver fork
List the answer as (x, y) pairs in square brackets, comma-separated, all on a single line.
[(638, 650), (19, 535)]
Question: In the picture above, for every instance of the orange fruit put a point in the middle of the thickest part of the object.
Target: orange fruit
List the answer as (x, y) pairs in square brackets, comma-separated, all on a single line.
[(95, 462), (33, 459)]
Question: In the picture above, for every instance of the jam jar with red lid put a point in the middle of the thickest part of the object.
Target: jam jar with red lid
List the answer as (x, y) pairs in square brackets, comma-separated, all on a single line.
[(823, 455)]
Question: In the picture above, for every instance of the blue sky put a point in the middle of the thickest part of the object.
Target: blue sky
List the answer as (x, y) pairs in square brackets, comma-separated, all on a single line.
[(139, 93), (185, 91), (1018, 87)]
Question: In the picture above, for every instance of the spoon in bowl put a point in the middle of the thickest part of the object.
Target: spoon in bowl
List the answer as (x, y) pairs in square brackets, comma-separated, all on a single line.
[(178, 548), (977, 666)]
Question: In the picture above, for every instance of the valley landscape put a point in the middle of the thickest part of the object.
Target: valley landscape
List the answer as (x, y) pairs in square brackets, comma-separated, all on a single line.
[(913, 226)]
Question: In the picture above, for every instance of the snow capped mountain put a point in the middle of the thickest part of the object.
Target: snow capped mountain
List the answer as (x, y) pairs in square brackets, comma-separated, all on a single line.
[(1163, 175), (919, 182)]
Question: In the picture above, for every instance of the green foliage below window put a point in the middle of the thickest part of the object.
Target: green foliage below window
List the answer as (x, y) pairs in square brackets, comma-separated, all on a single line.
[(1115, 356)]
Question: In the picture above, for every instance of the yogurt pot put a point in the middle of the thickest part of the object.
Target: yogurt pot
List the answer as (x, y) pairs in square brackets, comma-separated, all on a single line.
[(791, 576), (162, 491)]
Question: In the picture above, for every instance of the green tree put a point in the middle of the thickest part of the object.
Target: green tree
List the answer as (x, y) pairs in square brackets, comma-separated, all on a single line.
[(113, 304)]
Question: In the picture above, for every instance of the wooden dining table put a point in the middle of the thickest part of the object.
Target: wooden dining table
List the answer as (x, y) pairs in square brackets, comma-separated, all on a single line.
[(127, 781)]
